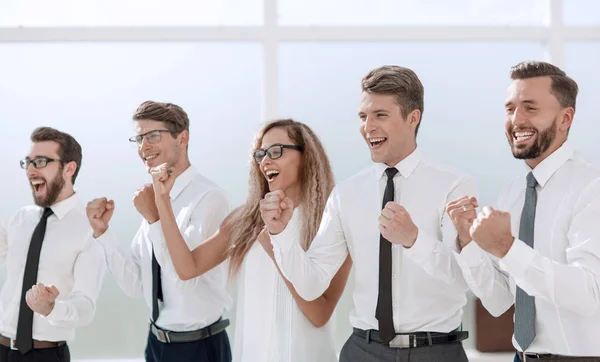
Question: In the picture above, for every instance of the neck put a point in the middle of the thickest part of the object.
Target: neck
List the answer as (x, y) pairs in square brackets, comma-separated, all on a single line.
[(295, 194), (534, 162), (180, 167), (401, 156), (65, 193)]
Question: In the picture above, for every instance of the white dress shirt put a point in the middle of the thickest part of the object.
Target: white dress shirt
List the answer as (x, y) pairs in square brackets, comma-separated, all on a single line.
[(428, 289), (562, 271), (69, 260), (199, 207), (270, 326)]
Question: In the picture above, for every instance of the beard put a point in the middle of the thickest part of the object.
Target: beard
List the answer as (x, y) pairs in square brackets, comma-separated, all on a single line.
[(53, 189), (542, 143)]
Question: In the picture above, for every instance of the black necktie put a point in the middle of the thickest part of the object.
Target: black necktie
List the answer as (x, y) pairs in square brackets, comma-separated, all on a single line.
[(384, 311), (524, 303), (25, 324), (156, 287)]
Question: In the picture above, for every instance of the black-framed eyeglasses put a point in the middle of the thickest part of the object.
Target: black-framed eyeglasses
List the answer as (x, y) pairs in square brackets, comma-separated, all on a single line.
[(151, 137), (38, 162), (274, 152)]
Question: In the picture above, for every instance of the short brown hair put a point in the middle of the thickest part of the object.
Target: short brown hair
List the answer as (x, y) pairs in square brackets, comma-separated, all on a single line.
[(398, 81), (171, 115), (69, 149), (563, 87)]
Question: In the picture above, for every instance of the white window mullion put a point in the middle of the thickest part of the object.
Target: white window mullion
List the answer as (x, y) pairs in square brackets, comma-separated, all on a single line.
[(271, 61), (555, 42)]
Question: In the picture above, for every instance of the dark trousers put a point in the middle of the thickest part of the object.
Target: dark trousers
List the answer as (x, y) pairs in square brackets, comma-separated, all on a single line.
[(57, 354), (357, 349), (212, 349)]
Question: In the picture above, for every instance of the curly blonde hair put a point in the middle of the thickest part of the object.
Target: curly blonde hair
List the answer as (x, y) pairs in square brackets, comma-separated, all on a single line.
[(316, 185)]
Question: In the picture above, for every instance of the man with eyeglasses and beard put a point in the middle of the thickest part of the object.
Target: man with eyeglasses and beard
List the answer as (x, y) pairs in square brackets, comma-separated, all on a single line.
[(186, 315), (540, 249), (54, 271)]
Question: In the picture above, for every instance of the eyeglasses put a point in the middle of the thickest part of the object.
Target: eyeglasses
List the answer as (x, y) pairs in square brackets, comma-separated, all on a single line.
[(151, 137), (274, 152), (38, 162)]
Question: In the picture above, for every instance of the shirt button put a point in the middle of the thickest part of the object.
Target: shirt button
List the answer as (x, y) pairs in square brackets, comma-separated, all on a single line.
[(393, 276), (394, 305)]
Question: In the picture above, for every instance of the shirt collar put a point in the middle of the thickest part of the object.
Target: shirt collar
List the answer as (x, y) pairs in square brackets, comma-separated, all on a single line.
[(405, 166), (61, 208), (182, 181), (552, 163)]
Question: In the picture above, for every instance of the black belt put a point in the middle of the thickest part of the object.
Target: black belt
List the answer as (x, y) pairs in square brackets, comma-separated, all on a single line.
[(181, 337), (412, 340), (12, 343), (533, 355), (529, 355)]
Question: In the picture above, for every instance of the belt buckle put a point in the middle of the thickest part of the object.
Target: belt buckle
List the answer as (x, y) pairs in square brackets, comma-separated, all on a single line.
[(13, 344), (163, 336), (403, 341)]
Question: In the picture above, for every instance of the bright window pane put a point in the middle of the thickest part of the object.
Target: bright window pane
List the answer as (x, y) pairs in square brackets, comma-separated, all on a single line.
[(581, 12), (91, 91), (411, 12), (582, 65), (130, 12)]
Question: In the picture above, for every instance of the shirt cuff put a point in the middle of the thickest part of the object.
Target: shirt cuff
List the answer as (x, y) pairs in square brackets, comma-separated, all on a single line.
[(155, 234), (422, 248), (58, 313), (472, 254), (284, 241), (107, 241), (518, 259)]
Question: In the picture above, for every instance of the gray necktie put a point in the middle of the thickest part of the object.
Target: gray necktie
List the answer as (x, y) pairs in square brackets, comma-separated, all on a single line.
[(525, 304)]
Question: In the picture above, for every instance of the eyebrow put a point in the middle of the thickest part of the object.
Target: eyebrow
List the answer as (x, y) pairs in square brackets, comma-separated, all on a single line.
[(381, 110), (527, 101), (271, 145)]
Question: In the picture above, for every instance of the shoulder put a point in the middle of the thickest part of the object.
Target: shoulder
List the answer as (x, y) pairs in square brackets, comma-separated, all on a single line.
[(442, 171), (24, 213), (208, 191), (361, 178), (583, 168)]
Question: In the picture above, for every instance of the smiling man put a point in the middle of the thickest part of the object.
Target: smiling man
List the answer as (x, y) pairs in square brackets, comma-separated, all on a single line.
[(55, 271), (543, 241), (185, 323), (409, 290)]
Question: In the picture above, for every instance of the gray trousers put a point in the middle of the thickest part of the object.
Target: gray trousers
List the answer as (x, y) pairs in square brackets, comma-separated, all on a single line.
[(357, 349)]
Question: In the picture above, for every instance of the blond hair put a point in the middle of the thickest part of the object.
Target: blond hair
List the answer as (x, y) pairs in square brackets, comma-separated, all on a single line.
[(316, 185)]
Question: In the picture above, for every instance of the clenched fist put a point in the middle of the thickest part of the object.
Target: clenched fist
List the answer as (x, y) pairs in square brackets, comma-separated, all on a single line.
[(463, 212), (396, 225), (162, 179), (276, 210), (40, 298), (143, 200), (99, 211), (491, 231)]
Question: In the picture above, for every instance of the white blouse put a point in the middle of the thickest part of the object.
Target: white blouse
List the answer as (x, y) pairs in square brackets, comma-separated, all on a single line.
[(270, 327)]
